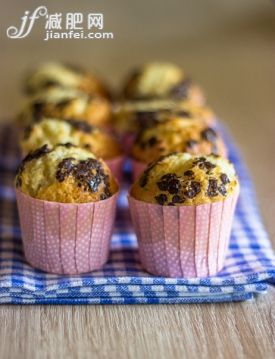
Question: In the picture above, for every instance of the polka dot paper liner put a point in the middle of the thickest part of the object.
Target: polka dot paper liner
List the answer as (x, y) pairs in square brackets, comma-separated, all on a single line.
[(66, 238), (183, 241)]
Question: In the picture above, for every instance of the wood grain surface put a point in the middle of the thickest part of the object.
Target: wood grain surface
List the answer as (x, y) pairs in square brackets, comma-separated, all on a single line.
[(229, 48)]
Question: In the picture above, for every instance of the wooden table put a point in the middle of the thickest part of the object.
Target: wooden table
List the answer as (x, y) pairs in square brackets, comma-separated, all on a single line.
[(229, 47)]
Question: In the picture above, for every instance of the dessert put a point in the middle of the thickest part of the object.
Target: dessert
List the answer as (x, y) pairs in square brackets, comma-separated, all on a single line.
[(182, 208), (160, 80), (66, 104), (66, 199), (66, 174), (133, 116), (54, 74), (79, 133), (175, 134)]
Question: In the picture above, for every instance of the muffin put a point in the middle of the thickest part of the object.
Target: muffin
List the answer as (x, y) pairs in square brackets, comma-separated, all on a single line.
[(66, 200), (182, 208), (66, 104), (54, 74), (133, 116), (66, 174), (160, 80), (79, 133), (177, 134)]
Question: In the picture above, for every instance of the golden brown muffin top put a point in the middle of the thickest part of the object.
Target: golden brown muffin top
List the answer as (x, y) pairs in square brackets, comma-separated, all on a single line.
[(182, 179), (65, 174), (79, 133), (134, 116), (65, 103), (54, 74), (176, 134), (157, 80)]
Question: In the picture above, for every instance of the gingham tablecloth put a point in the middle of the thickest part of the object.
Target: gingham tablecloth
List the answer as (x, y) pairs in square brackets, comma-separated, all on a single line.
[(249, 266)]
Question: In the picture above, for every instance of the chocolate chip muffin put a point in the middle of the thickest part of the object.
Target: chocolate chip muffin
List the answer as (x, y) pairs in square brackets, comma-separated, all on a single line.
[(79, 133), (54, 74), (65, 174), (159, 80), (182, 179), (177, 134), (133, 116), (66, 104)]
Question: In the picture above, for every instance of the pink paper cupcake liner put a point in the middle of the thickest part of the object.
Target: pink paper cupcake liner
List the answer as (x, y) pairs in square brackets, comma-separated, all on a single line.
[(116, 167), (66, 238), (183, 241)]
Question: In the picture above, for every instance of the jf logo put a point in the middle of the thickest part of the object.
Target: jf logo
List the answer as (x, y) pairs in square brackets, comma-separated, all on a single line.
[(27, 23)]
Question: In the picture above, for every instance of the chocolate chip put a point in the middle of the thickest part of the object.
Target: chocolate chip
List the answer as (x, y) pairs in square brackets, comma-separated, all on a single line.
[(170, 183), (27, 132), (64, 169), (67, 145), (88, 174), (174, 186), (188, 173), (191, 143), (41, 151), (209, 135), (208, 165), (212, 189), (222, 190), (152, 141), (38, 109), (81, 125), (50, 83), (224, 178), (18, 182), (87, 146), (130, 83), (177, 199), (146, 119), (143, 180), (180, 91), (183, 113), (192, 189), (161, 198), (163, 186), (103, 196), (168, 177), (63, 103), (205, 165), (199, 160)]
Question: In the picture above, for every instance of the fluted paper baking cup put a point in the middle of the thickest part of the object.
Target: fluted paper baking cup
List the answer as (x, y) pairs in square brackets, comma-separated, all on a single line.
[(116, 167), (66, 238), (183, 241), (138, 168)]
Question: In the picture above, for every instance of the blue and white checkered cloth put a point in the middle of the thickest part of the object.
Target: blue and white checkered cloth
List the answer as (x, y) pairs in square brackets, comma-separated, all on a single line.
[(249, 267)]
